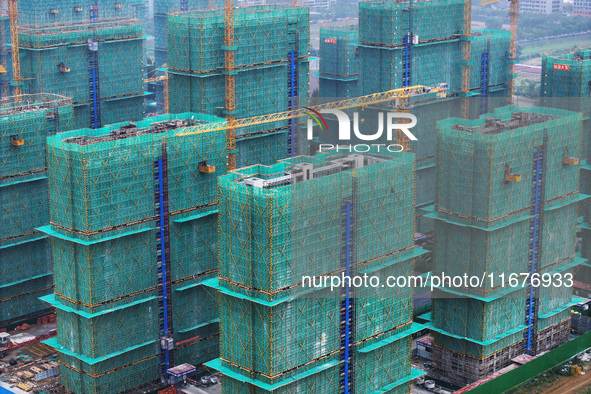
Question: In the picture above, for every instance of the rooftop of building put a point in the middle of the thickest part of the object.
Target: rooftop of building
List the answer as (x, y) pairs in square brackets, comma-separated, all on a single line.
[(31, 103), (153, 125), (582, 54), (255, 9), (79, 32), (505, 119), (494, 125), (306, 168)]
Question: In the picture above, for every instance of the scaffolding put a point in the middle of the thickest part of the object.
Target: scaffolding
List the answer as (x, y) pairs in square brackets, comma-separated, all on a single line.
[(25, 122), (269, 71), (133, 213), (313, 216), (507, 194), (339, 58), (98, 65)]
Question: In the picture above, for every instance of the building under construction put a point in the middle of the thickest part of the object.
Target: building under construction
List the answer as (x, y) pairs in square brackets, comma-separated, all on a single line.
[(161, 10), (25, 257), (330, 214), (133, 213), (339, 61), (506, 204), (270, 72), (97, 64), (565, 84)]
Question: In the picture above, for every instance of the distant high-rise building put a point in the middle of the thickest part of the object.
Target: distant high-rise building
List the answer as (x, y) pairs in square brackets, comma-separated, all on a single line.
[(540, 6), (582, 8)]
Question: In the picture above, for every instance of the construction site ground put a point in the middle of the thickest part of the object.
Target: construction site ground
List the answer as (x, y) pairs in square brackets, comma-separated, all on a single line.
[(31, 359), (556, 383)]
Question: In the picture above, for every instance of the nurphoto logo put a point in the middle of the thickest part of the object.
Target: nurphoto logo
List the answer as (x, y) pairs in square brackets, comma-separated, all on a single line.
[(391, 119)]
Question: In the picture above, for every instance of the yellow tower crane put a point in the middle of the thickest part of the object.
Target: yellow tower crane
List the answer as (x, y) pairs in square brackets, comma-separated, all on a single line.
[(513, 19), (164, 79), (16, 63), (398, 97), (466, 57)]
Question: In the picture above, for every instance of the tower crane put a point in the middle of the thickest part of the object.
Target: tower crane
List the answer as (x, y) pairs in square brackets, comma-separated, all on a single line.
[(16, 63), (164, 79), (400, 98), (513, 19), (466, 57), (230, 80)]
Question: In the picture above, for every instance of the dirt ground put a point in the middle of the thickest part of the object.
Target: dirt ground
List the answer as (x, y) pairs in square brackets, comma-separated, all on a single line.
[(570, 385)]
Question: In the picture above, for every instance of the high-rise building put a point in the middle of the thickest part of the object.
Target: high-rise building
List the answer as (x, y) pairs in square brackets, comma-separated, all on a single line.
[(25, 257), (333, 214), (540, 6), (133, 233), (271, 55), (506, 211)]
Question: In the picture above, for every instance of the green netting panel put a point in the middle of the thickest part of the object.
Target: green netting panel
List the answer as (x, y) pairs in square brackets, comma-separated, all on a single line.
[(463, 250), (195, 39), (472, 165), (111, 183), (195, 311), (567, 76), (265, 149), (550, 321), (475, 350), (40, 71), (32, 252), (338, 51), (325, 381), (558, 242), (113, 375), (380, 69), (198, 353), (23, 205), (48, 12), (425, 185), (498, 56), (476, 319), (385, 200), (108, 333), (273, 340), (117, 110), (193, 244), (386, 22), (93, 274), (82, 116), (160, 32), (379, 368), (555, 296), (120, 67), (379, 310), (187, 186), (23, 298), (32, 125), (336, 88)]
